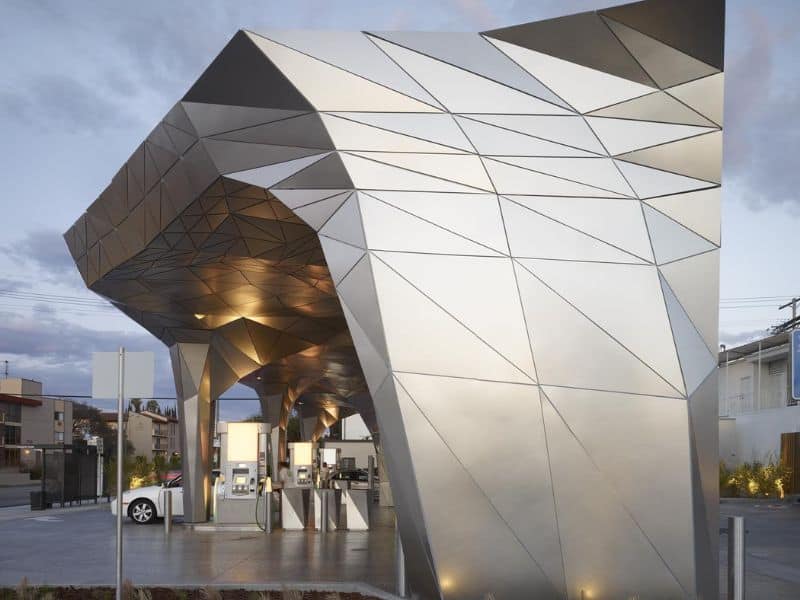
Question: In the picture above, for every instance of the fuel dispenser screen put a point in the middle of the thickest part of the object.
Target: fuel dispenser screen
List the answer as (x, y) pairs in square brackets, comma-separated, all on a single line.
[(240, 481)]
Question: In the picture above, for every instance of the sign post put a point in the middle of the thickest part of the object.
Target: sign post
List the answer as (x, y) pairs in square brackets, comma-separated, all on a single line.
[(108, 381), (795, 333)]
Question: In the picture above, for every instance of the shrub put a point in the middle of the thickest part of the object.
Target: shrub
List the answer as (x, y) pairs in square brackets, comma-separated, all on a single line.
[(755, 479)]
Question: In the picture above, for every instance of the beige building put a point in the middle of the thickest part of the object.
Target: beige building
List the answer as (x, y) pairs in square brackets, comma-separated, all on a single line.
[(149, 433), (27, 419)]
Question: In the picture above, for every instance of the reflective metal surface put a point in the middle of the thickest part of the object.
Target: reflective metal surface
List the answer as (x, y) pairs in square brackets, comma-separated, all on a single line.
[(500, 248)]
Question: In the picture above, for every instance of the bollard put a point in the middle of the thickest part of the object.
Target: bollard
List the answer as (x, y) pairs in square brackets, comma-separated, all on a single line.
[(167, 512), (268, 512), (323, 511), (400, 562), (371, 478), (736, 535)]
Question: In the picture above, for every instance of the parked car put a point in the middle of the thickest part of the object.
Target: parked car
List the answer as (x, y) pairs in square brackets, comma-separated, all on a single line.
[(145, 504)]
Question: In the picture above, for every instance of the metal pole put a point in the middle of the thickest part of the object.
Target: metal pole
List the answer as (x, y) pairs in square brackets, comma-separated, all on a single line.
[(370, 478), (120, 458), (400, 562), (167, 512), (323, 511), (268, 512), (759, 375), (736, 534)]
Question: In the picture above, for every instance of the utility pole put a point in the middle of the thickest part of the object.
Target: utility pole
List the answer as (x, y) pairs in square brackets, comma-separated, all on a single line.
[(6, 370), (793, 303)]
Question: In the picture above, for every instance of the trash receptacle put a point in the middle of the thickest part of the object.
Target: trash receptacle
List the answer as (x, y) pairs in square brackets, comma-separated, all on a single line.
[(37, 500)]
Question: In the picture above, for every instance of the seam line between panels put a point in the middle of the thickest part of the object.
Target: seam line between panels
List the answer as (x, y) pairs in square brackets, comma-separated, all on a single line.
[(617, 494), (609, 335), (475, 483)]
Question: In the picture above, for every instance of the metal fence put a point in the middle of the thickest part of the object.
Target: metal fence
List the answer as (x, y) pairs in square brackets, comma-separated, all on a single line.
[(69, 474)]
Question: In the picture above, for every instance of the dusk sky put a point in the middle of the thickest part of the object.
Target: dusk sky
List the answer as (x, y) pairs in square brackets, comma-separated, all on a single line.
[(84, 82)]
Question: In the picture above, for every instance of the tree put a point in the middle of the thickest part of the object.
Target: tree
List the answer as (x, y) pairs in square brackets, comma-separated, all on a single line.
[(87, 421), (136, 403), (254, 418), (153, 407)]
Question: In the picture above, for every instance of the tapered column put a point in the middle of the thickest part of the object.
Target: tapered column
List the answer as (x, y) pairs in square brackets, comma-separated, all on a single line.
[(191, 368)]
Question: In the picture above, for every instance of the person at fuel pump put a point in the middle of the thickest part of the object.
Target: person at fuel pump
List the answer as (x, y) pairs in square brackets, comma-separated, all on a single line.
[(283, 474), (325, 476)]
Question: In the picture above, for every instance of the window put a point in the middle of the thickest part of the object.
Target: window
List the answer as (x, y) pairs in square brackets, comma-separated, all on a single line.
[(777, 390), (59, 416), (10, 435), (11, 412), (60, 436)]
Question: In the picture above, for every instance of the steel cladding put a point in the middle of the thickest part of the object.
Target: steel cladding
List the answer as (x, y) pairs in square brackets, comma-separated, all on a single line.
[(501, 248)]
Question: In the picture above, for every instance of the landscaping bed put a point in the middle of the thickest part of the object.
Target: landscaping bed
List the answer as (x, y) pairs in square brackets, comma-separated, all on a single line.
[(25, 592)]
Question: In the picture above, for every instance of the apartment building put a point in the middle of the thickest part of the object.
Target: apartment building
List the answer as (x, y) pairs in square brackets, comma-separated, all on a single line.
[(150, 434), (28, 419)]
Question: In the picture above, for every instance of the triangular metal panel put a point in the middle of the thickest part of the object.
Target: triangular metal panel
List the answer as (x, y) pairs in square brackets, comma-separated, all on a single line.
[(585, 89), (369, 174), (456, 509), (691, 281), (437, 128), (481, 292), (345, 224), (624, 435), (241, 75), (351, 135), (665, 65), (598, 49), (658, 107), (694, 28), (617, 553), (533, 235), (513, 179), (340, 257), (698, 211), (649, 183), (703, 95), (471, 52), (671, 240), (699, 157), (317, 213), (464, 92), (268, 176), (599, 173), (523, 497), (357, 290), (330, 88), (616, 222), (388, 228), (474, 216), (352, 51), (233, 157), (562, 337), (305, 131), (696, 360), (211, 119), (636, 318), (624, 135), (465, 169), (414, 327), (492, 140), (328, 173), (568, 130)]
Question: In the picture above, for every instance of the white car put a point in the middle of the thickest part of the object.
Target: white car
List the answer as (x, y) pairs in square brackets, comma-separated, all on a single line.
[(145, 504)]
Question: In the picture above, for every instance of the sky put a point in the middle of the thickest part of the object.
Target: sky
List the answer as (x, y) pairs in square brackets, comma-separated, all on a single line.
[(83, 82)]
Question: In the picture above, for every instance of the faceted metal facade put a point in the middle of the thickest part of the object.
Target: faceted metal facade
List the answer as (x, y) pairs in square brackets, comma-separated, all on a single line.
[(501, 248)]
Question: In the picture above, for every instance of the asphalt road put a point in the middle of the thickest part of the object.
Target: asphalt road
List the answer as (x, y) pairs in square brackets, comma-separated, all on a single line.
[(17, 495)]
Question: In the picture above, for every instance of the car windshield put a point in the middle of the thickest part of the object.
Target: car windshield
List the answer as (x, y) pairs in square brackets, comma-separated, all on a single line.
[(175, 482)]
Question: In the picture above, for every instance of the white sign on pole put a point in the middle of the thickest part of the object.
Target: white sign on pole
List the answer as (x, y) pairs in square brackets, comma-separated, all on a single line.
[(139, 374)]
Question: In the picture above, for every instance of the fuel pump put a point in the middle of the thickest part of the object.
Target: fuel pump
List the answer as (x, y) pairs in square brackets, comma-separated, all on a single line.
[(244, 467)]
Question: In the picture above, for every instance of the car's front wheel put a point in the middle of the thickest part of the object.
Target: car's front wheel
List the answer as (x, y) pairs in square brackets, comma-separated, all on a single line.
[(142, 511)]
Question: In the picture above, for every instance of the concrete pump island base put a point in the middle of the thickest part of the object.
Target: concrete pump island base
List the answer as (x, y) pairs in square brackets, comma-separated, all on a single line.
[(500, 248)]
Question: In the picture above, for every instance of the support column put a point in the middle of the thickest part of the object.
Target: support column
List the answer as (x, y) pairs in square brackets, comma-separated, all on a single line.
[(190, 366)]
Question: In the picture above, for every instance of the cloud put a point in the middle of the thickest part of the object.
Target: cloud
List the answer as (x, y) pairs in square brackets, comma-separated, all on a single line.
[(742, 337), (46, 251), (12, 285)]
